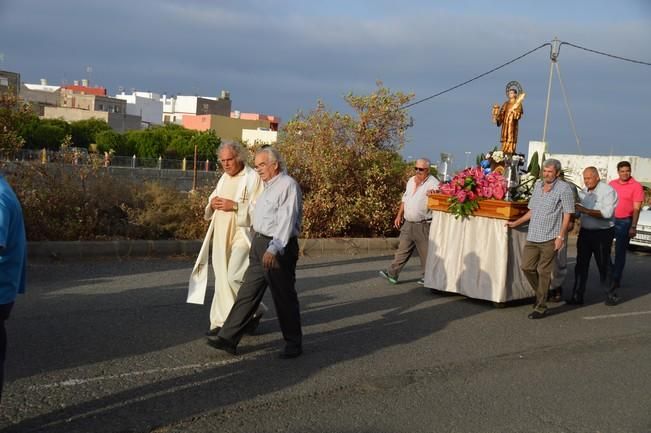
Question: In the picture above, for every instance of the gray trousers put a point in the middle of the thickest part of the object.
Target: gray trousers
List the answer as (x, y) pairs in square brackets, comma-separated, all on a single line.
[(560, 268), (281, 280), (412, 236)]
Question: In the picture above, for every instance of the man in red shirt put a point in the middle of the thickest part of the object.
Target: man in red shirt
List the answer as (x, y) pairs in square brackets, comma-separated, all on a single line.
[(627, 212)]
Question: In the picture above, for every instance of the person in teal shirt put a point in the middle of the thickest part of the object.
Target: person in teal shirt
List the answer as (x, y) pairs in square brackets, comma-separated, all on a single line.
[(13, 261)]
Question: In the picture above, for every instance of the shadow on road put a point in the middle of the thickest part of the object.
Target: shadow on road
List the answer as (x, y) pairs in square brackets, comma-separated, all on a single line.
[(396, 320)]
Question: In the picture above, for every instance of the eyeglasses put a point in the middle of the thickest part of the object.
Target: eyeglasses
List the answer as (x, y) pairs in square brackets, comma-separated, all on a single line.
[(420, 169)]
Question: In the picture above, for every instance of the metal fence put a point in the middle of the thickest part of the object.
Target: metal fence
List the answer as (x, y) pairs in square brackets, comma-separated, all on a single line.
[(81, 157)]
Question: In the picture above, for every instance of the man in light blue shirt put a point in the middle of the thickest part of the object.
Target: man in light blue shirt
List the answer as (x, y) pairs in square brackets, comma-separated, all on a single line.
[(13, 261), (276, 217), (597, 212)]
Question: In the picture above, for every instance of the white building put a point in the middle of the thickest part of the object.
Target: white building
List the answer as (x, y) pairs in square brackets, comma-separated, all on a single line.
[(174, 108), (259, 136), (147, 105)]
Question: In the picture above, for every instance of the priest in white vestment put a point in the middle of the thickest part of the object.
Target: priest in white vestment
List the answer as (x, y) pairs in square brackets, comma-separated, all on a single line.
[(229, 236)]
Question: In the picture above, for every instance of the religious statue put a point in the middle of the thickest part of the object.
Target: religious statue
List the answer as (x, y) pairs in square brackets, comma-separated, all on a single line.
[(508, 116)]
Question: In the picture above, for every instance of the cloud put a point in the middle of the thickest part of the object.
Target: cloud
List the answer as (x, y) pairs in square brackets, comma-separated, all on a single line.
[(281, 56)]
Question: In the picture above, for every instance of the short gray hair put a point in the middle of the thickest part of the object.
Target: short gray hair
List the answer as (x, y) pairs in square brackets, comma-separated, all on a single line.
[(551, 162), (426, 160), (235, 148), (274, 156)]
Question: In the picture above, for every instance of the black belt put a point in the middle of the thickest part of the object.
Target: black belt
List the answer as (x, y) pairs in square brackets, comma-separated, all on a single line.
[(261, 236), (421, 221)]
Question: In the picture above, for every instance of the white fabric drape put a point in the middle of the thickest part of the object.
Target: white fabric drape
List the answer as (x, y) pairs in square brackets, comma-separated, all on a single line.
[(248, 190), (478, 257)]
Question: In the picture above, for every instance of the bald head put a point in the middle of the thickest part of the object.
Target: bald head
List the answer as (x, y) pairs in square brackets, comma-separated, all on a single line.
[(591, 177)]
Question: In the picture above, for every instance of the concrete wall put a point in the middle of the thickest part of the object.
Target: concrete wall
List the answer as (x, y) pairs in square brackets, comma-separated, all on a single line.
[(119, 122), (38, 99), (226, 128), (253, 136), (607, 166), (73, 114)]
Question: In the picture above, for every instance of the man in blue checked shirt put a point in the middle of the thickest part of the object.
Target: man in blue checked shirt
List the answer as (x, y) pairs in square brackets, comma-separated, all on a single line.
[(550, 209)]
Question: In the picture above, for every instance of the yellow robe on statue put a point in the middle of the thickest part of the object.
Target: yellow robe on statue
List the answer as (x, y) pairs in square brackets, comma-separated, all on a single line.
[(508, 119), (228, 235)]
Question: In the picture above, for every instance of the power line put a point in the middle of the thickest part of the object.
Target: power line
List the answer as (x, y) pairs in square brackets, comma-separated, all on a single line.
[(518, 58), (477, 77), (606, 54)]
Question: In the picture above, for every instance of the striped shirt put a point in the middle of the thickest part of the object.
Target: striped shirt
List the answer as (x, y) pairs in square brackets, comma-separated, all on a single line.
[(547, 209)]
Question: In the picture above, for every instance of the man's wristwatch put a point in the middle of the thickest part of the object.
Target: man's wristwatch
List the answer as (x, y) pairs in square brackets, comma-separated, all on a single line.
[(235, 207), (560, 237)]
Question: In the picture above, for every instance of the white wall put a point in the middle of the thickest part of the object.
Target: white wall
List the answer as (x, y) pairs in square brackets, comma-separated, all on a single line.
[(186, 104), (253, 136), (607, 165), (146, 105)]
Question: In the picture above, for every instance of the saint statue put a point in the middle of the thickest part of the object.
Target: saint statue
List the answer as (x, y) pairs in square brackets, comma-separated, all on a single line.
[(508, 116)]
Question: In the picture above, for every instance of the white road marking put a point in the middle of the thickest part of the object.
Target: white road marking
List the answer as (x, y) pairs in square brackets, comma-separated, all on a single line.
[(614, 316), (81, 381)]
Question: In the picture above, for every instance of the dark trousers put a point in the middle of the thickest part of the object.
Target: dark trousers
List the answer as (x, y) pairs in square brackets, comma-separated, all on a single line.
[(622, 226), (281, 280), (5, 310), (412, 236), (595, 243)]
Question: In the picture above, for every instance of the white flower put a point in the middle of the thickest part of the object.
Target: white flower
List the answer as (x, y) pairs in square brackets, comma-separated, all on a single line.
[(498, 156)]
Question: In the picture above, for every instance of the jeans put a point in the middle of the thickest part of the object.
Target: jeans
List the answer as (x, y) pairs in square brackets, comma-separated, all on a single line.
[(622, 226)]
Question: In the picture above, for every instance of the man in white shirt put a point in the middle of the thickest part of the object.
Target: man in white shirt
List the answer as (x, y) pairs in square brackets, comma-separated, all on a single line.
[(413, 220), (596, 209), (276, 217)]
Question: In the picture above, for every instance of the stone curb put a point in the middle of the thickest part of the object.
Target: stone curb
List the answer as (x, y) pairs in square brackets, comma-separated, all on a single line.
[(124, 249)]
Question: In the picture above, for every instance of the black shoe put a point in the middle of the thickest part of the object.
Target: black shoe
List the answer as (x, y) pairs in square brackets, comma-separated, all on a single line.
[(537, 314), (555, 295), (213, 332), (291, 352), (250, 327), (612, 299), (576, 299), (223, 345)]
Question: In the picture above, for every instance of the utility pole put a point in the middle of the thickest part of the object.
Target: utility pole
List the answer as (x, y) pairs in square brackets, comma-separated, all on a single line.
[(553, 56)]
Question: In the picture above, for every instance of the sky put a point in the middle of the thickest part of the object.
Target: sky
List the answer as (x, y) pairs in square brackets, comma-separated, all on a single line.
[(281, 57)]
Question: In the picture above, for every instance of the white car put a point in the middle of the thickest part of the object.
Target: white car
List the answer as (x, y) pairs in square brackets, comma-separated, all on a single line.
[(643, 236)]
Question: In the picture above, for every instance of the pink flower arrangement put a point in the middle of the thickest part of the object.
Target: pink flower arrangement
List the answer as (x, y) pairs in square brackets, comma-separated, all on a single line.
[(471, 185)]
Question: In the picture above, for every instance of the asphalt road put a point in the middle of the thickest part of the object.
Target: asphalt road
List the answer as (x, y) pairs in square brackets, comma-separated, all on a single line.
[(108, 346)]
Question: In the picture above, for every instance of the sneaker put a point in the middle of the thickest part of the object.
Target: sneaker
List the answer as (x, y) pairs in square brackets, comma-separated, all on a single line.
[(421, 281), (389, 278)]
